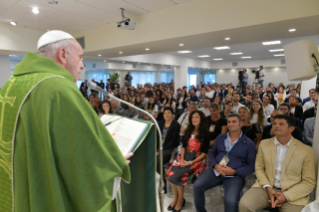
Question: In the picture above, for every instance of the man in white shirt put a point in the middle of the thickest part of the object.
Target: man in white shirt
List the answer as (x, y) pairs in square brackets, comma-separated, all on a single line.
[(285, 170), (199, 89), (205, 109), (268, 108), (236, 104), (209, 92), (312, 102), (261, 75)]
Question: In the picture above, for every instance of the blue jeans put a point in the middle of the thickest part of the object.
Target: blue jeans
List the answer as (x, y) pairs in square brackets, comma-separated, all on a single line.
[(232, 188), (261, 82)]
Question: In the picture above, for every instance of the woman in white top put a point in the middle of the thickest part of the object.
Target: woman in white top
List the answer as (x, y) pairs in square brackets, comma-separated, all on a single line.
[(257, 115), (152, 108)]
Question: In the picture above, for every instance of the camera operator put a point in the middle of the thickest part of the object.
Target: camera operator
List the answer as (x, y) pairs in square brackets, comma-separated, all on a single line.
[(245, 78), (261, 75)]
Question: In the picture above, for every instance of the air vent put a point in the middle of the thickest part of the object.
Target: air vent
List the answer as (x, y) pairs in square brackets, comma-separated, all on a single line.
[(134, 65), (282, 62), (81, 42), (234, 64)]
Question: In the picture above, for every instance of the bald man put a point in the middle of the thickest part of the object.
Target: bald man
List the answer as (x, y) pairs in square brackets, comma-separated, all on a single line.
[(55, 152)]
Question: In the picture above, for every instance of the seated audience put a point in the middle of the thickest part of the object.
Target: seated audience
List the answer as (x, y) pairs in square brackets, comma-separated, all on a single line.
[(293, 92), (286, 109), (227, 109), (152, 108), (312, 102), (106, 108), (217, 124), (170, 136), (268, 131), (192, 97), (296, 109), (218, 100), (169, 102), (247, 101), (268, 108), (183, 119), (205, 108), (285, 171), (312, 90), (272, 99), (231, 158), (201, 98), (280, 95), (181, 103), (188, 165), (309, 128), (257, 114), (236, 104), (252, 131)]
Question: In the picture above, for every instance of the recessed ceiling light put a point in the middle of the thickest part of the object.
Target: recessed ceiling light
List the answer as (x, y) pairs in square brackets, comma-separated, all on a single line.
[(104, 61), (99, 55), (247, 57), (279, 55), (221, 47), (13, 23), (292, 30), (181, 44), (271, 42), (276, 50), (236, 53), (35, 10), (218, 58), (120, 52), (204, 55), (227, 38), (184, 52), (147, 49)]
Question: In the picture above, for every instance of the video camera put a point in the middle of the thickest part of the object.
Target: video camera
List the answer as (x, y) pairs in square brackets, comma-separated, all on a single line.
[(256, 72), (241, 75)]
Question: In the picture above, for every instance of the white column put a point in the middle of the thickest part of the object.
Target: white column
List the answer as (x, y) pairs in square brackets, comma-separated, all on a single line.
[(180, 76), (306, 85), (5, 69)]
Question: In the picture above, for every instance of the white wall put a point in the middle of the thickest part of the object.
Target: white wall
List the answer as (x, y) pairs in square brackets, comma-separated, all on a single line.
[(5, 70), (274, 75)]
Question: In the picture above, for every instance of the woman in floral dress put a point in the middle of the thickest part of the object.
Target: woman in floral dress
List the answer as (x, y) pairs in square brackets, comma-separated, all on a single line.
[(187, 166)]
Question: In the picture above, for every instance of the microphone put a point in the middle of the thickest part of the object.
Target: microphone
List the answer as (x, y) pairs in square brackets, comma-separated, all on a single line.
[(95, 87)]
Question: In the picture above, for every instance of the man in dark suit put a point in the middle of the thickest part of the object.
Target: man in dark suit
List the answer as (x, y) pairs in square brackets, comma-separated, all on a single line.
[(85, 85), (308, 113), (223, 91), (268, 131), (286, 109)]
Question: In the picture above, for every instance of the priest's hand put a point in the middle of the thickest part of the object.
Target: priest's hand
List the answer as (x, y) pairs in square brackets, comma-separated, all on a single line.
[(128, 156)]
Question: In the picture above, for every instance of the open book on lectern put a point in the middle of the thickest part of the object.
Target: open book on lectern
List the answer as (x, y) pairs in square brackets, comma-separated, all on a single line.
[(125, 132)]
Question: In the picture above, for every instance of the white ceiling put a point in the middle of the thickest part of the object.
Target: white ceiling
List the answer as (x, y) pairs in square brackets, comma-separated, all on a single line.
[(256, 50), (75, 15)]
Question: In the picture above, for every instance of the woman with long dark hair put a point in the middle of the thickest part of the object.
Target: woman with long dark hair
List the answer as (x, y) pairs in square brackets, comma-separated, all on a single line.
[(189, 164), (106, 108), (272, 99), (168, 102), (152, 108)]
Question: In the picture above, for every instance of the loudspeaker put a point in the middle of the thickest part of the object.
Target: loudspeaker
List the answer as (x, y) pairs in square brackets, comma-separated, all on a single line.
[(299, 61)]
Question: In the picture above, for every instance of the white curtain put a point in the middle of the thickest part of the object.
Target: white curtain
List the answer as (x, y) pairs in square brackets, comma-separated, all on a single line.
[(143, 77), (209, 78)]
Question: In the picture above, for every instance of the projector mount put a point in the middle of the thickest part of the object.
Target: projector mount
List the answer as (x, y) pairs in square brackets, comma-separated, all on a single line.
[(124, 19)]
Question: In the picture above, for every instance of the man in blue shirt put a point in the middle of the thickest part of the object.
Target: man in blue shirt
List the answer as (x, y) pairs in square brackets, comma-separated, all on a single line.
[(312, 90), (193, 97), (128, 79), (293, 92), (232, 157)]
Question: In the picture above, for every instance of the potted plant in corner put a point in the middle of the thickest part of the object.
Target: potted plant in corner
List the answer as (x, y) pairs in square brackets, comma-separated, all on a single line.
[(114, 79)]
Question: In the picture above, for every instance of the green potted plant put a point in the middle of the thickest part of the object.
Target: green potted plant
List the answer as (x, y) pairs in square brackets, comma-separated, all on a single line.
[(114, 77)]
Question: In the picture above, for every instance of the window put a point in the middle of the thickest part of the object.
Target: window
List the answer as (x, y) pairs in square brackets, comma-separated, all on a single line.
[(209, 77)]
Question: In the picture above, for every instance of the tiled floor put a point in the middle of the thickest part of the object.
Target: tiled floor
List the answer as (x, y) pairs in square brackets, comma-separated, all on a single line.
[(214, 201)]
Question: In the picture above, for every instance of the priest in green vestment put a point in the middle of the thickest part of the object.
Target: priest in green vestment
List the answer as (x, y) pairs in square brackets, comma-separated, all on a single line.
[(55, 153)]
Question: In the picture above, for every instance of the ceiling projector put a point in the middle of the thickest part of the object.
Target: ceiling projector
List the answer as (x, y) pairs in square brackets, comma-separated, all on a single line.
[(125, 23)]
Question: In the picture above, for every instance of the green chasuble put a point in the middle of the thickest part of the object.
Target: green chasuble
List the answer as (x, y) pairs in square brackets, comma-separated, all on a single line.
[(55, 153)]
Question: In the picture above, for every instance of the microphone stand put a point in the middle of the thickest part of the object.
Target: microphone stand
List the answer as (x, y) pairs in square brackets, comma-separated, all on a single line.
[(93, 86)]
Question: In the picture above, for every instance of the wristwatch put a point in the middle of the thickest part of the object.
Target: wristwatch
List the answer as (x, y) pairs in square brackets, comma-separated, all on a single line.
[(236, 172)]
